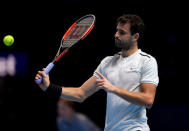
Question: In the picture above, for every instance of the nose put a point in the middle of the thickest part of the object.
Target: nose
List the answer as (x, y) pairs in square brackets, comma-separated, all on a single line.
[(117, 34)]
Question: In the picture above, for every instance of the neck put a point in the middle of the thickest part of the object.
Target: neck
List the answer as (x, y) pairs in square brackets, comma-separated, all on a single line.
[(126, 53)]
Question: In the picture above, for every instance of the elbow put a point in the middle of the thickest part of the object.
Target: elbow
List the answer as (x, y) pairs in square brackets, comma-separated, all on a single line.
[(149, 103), (81, 96), (149, 106), (80, 100)]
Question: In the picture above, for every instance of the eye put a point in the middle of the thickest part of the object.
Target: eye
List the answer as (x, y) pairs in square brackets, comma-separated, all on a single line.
[(121, 32)]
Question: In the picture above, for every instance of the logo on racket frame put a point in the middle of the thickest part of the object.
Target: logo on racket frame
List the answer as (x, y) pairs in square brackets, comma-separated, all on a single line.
[(78, 31)]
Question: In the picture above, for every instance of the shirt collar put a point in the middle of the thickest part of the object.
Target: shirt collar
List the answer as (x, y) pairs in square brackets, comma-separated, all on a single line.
[(131, 56)]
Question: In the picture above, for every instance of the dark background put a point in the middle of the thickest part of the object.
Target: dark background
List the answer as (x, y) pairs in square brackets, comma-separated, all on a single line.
[(38, 29)]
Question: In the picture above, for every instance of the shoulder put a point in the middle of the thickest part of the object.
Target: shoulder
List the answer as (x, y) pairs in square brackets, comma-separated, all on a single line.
[(110, 59), (147, 61), (81, 117), (107, 59), (146, 58)]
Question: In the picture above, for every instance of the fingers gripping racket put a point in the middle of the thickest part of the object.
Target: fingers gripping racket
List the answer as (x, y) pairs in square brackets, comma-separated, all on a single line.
[(78, 31)]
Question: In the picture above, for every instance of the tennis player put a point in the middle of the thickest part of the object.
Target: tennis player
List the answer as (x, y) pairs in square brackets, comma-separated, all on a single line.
[(130, 78)]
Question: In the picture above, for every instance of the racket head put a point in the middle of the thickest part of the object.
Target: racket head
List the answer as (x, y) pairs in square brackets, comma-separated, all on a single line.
[(78, 31)]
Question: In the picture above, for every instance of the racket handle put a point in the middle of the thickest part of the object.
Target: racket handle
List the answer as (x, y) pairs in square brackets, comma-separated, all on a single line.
[(47, 70)]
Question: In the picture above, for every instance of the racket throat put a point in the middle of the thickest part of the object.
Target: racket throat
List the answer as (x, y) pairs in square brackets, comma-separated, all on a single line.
[(62, 54)]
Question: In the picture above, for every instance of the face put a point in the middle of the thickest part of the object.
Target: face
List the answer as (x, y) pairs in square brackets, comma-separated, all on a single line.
[(123, 37)]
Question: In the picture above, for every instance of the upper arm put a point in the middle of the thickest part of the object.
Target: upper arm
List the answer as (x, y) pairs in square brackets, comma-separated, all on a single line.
[(89, 87), (149, 80), (149, 72), (149, 90)]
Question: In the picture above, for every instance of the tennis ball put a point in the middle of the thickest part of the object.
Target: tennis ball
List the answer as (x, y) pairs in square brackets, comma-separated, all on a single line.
[(8, 40)]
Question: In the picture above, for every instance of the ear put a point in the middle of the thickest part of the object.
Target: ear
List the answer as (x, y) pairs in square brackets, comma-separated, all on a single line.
[(136, 36)]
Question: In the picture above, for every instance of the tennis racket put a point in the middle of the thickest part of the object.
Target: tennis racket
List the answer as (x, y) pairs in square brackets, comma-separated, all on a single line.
[(78, 31)]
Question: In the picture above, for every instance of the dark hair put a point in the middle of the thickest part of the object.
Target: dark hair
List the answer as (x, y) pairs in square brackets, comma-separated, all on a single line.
[(137, 24), (69, 103)]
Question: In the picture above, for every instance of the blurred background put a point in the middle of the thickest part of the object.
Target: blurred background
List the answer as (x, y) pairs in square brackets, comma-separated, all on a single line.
[(38, 28)]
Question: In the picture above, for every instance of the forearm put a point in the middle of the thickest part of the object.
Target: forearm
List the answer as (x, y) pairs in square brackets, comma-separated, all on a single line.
[(138, 98), (78, 94), (72, 94), (69, 93)]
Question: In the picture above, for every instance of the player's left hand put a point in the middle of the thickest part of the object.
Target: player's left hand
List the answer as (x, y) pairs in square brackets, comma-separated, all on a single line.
[(103, 83)]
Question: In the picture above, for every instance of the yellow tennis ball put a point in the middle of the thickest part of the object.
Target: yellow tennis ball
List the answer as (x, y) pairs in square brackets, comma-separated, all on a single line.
[(8, 40)]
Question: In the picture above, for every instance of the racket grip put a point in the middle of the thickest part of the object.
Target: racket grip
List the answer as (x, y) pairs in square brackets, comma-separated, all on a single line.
[(47, 70)]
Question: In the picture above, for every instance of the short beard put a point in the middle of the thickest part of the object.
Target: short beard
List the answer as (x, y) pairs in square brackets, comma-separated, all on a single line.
[(123, 44)]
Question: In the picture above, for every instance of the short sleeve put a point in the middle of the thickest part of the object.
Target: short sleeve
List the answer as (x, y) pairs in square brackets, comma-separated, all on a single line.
[(101, 66), (149, 72)]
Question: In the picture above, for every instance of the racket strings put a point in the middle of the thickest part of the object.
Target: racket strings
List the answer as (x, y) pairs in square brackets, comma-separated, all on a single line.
[(69, 43), (83, 27)]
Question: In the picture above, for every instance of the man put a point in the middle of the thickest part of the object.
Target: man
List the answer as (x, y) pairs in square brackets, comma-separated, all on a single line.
[(69, 119), (130, 79)]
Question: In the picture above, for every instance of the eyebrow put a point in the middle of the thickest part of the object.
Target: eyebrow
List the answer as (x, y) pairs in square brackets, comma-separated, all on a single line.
[(121, 30)]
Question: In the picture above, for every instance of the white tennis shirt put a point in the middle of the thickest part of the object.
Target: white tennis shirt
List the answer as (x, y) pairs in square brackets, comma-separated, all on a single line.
[(127, 73)]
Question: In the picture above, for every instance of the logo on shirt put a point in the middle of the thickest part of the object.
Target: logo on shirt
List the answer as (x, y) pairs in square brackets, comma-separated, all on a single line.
[(133, 68)]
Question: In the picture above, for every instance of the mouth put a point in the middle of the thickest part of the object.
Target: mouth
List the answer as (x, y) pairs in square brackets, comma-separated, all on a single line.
[(118, 42), (117, 39)]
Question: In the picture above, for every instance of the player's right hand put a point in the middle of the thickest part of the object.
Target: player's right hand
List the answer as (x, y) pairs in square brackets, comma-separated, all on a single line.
[(46, 82)]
